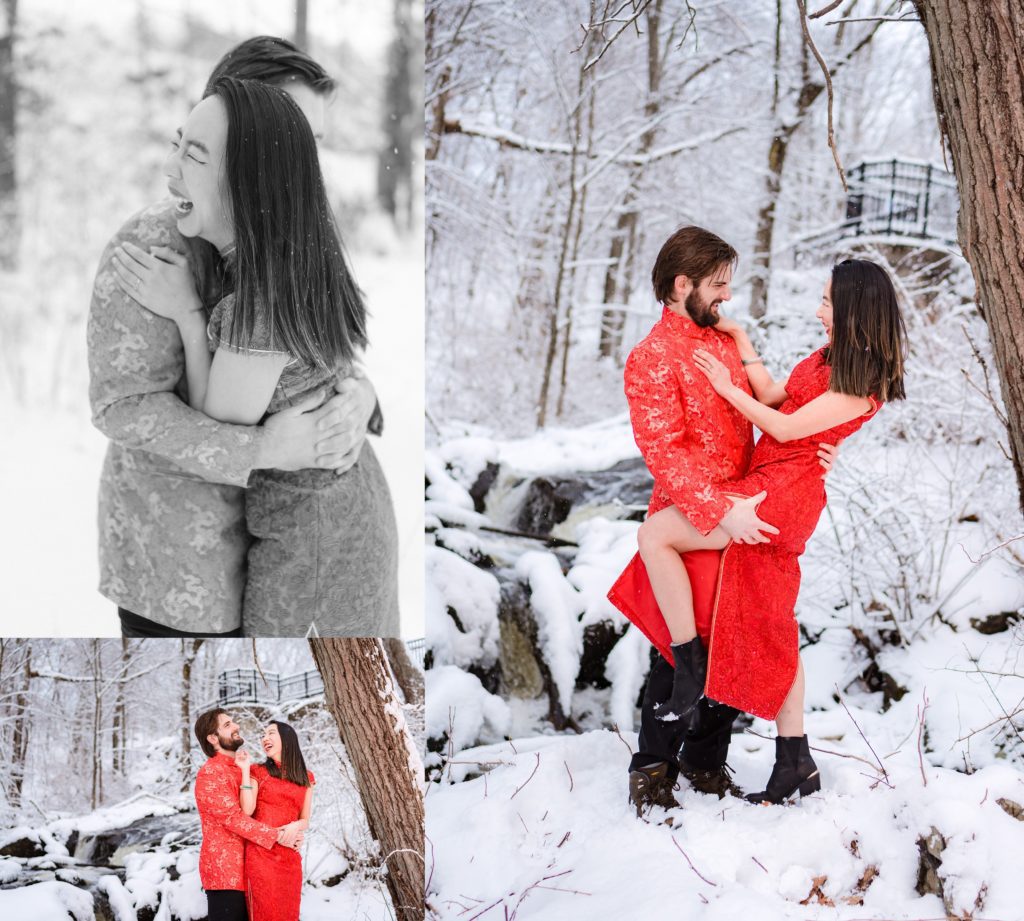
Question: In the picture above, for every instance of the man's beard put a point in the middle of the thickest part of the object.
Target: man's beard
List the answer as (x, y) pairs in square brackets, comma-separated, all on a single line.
[(229, 744), (702, 314)]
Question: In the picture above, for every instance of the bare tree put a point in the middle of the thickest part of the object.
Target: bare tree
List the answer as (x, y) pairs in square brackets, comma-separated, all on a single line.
[(977, 59), (361, 697), (189, 651), (8, 125), (395, 185), (790, 108), (301, 37), (408, 676)]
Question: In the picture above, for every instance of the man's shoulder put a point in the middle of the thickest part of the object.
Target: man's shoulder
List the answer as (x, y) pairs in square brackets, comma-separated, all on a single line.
[(154, 225), (654, 348), (210, 768)]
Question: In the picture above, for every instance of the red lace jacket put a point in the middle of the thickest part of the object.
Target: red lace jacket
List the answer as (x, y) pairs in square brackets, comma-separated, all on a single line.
[(690, 439), (221, 857)]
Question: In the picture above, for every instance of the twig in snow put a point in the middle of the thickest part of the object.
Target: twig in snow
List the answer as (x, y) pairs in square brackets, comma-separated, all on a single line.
[(568, 834), (615, 729), (881, 767), (690, 862), (816, 748), (567, 771), (430, 875), (521, 819), (758, 862), (920, 734), (988, 684), (528, 779)]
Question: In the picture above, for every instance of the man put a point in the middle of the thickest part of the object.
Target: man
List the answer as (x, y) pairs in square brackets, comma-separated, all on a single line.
[(173, 541), (690, 440), (225, 827)]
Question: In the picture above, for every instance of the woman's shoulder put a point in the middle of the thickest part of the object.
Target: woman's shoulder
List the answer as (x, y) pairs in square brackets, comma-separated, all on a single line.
[(259, 772), (252, 336), (312, 779)]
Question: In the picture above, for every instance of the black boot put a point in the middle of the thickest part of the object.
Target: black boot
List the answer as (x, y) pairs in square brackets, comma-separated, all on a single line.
[(687, 685), (652, 785), (794, 772)]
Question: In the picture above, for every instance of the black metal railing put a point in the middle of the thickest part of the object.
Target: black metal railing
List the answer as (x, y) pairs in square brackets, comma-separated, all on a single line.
[(249, 686), (892, 200), (902, 199)]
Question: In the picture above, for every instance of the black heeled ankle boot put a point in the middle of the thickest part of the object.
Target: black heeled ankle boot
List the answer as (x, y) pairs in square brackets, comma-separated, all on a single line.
[(794, 772), (687, 685)]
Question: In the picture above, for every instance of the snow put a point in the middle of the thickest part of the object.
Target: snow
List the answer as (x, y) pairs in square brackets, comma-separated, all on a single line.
[(474, 595), (556, 606), (45, 901), (461, 710), (120, 900), (571, 845)]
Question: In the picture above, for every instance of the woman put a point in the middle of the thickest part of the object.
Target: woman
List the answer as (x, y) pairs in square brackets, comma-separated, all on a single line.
[(279, 793), (753, 662), (246, 178)]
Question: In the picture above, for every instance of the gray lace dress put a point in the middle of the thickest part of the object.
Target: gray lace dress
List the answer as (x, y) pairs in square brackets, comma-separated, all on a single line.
[(324, 557)]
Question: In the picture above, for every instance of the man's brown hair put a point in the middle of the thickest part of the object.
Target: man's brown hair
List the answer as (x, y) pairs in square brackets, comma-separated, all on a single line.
[(206, 725), (690, 251)]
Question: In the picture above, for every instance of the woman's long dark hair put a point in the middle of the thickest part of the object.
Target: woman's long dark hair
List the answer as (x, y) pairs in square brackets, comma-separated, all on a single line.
[(290, 262), (292, 767), (869, 339)]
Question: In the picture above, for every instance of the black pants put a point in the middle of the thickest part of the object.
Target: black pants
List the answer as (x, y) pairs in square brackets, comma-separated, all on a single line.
[(704, 749), (134, 626), (226, 905)]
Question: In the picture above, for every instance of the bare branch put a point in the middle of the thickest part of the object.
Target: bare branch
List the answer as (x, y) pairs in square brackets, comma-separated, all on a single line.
[(828, 88)]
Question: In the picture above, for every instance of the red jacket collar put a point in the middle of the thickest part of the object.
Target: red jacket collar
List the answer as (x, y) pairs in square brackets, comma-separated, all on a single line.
[(224, 758), (682, 325)]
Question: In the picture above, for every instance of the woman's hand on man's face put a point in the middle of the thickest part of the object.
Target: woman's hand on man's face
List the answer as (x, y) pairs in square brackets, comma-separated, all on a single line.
[(160, 280)]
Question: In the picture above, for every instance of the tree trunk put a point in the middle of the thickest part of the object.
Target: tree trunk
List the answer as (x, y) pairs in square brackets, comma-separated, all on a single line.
[(189, 651), (19, 734), (362, 699), (302, 24), (408, 676), (618, 282), (9, 234), (977, 57), (395, 187)]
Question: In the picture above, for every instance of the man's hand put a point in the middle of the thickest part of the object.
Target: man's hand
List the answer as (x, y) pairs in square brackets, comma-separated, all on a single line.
[(828, 455), (329, 437), (288, 835), (742, 524)]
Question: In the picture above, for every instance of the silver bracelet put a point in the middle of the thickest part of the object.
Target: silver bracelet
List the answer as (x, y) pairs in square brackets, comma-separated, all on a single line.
[(751, 361)]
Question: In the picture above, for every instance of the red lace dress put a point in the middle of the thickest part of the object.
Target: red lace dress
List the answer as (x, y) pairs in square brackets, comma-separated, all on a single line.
[(274, 877), (753, 643)]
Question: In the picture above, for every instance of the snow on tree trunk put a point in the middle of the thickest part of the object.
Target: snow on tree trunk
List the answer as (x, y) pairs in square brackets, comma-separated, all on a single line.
[(388, 769), (189, 651), (977, 58)]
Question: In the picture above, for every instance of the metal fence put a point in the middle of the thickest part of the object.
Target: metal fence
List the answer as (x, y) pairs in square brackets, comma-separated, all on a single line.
[(249, 686), (898, 198)]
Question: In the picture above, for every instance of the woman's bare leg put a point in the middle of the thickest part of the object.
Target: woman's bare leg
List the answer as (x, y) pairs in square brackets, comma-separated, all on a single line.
[(661, 538), (790, 719)]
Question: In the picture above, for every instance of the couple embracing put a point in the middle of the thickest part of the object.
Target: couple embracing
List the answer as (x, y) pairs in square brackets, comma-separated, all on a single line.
[(715, 582), (253, 820), (239, 495)]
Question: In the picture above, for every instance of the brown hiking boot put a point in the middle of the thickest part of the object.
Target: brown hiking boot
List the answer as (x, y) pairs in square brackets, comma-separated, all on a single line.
[(651, 786), (717, 781)]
